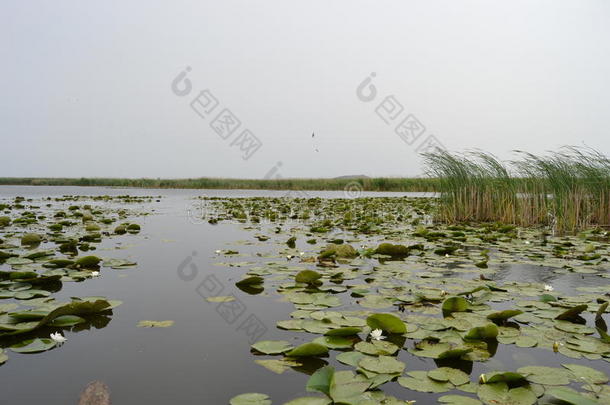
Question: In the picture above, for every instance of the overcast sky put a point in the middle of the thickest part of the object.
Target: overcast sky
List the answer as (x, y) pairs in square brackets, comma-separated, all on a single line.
[(87, 85)]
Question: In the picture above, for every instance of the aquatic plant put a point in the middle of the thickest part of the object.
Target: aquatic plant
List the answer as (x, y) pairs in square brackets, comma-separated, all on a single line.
[(568, 190)]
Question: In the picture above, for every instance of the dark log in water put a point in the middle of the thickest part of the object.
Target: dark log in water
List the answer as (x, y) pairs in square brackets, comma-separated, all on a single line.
[(95, 393)]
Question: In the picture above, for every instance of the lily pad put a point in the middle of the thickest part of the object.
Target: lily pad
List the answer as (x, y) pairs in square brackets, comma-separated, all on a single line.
[(307, 276), (500, 394), (33, 345), (382, 364), (489, 331), (587, 374), (250, 399), (272, 346), (455, 304), (308, 350), (155, 324), (386, 322)]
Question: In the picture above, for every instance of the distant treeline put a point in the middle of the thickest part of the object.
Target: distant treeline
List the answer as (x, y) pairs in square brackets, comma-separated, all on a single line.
[(353, 184)]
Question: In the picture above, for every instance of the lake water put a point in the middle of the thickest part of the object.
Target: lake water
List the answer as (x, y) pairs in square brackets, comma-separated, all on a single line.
[(204, 358)]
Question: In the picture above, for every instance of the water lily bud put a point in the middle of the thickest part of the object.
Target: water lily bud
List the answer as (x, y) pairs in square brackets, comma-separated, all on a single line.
[(556, 346), (482, 379)]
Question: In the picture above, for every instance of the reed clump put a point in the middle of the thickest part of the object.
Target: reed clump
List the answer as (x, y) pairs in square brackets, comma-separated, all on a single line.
[(568, 190)]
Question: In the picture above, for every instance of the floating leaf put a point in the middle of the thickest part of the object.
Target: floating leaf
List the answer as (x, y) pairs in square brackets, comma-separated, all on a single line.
[(587, 374), (376, 348), (503, 316), (569, 396), (307, 350), (545, 375), (453, 375), (500, 394), (321, 380), (458, 400), (345, 331), (382, 364), (250, 399), (278, 366), (221, 298), (253, 280), (34, 345), (571, 313), (309, 401), (455, 304), (307, 276), (419, 381), (66, 320), (489, 331), (155, 324), (272, 346), (386, 322)]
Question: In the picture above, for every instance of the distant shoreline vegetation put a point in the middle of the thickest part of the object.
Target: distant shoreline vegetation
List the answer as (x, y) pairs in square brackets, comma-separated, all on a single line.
[(396, 184)]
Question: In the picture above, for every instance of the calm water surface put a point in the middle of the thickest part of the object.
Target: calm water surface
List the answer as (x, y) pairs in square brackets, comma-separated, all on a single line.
[(202, 359)]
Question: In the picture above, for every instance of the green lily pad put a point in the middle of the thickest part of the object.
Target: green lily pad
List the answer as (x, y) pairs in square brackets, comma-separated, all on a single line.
[(489, 331), (221, 298), (155, 324), (66, 320), (307, 276), (500, 394), (272, 346), (278, 366), (382, 364), (386, 322), (453, 375), (345, 331), (419, 381), (569, 396), (350, 358), (587, 374), (33, 345), (334, 342), (253, 280), (455, 304), (545, 375), (250, 399), (459, 400), (307, 350), (503, 316), (321, 380), (309, 401), (571, 313), (88, 262), (376, 348)]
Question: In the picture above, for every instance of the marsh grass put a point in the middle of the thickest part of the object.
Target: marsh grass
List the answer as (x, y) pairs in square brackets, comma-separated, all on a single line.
[(567, 190), (364, 183)]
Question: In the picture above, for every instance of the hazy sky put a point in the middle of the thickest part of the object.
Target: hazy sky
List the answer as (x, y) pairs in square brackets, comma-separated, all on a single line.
[(87, 85)]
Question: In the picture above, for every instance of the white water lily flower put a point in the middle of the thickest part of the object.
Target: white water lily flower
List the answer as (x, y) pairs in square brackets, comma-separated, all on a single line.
[(95, 273), (548, 287), (301, 253), (58, 338), (527, 242), (218, 252), (377, 334)]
